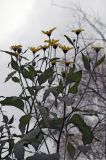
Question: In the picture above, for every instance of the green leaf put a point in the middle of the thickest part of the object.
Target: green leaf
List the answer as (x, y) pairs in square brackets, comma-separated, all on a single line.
[(68, 77), (31, 135), (100, 61), (10, 53), (74, 88), (34, 89), (73, 76), (13, 101), (19, 150), (11, 120), (47, 93), (52, 123), (28, 74), (71, 150), (87, 134), (34, 138), (2, 144), (44, 156), (44, 113), (1, 128), (11, 145), (31, 90), (46, 75), (76, 76), (10, 76), (60, 87), (5, 119), (84, 149), (14, 64), (24, 120), (69, 40), (32, 70), (86, 62), (50, 80), (15, 79), (69, 101)]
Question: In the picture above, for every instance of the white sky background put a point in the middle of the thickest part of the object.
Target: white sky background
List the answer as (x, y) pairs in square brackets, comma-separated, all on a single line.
[(21, 22)]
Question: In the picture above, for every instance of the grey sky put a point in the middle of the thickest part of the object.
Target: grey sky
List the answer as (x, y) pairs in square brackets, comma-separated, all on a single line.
[(21, 21)]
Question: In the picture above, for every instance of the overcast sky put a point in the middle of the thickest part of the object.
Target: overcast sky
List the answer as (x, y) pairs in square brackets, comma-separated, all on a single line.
[(21, 22)]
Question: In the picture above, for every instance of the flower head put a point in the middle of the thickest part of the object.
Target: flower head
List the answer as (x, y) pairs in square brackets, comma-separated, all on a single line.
[(53, 62), (44, 47), (97, 48), (64, 48), (55, 45), (34, 49), (17, 49), (52, 42), (49, 32), (78, 30), (67, 63)]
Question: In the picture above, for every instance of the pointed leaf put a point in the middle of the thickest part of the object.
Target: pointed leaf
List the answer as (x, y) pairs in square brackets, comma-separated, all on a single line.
[(74, 88), (86, 62), (100, 61), (71, 150), (52, 123), (14, 64), (69, 101), (11, 120), (5, 119), (76, 76), (11, 145), (28, 74), (69, 40), (46, 75), (44, 156), (13, 101), (15, 79), (10, 53), (24, 120), (60, 87), (87, 134), (19, 151), (10, 76)]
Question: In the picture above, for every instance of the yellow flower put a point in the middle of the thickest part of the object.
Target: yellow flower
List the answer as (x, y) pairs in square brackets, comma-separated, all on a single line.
[(67, 63), (49, 32), (53, 62), (44, 47), (78, 30), (34, 49), (17, 49), (64, 48), (52, 42), (55, 46), (97, 48)]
